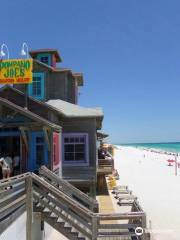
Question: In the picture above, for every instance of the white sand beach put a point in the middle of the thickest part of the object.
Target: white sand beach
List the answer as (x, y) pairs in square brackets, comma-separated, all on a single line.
[(155, 185)]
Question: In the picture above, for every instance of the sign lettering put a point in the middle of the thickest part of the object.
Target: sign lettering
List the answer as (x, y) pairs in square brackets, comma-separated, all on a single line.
[(16, 71)]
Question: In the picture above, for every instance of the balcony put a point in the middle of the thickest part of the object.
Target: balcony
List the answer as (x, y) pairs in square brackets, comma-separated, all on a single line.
[(105, 166)]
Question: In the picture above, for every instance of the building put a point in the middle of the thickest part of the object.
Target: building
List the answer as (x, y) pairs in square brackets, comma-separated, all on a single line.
[(51, 128)]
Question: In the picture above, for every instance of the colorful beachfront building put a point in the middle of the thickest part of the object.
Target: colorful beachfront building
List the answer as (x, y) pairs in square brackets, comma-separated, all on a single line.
[(51, 128)]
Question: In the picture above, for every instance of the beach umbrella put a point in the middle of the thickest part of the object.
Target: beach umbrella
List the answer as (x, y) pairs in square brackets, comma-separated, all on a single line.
[(171, 160)]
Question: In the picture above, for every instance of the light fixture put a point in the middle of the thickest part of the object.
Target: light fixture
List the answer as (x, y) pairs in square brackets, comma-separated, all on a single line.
[(2, 53), (23, 52)]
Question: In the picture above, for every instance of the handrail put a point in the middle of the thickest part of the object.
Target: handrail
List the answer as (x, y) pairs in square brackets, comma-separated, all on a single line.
[(90, 224), (13, 180), (62, 196), (120, 216), (69, 189), (105, 161)]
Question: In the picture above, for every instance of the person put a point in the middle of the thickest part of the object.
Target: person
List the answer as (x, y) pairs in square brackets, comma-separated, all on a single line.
[(102, 153), (16, 164), (5, 168), (8, 160)]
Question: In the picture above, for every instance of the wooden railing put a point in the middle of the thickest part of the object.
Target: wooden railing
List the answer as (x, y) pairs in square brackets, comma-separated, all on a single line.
[(105, 166), (19, 193), (13, 196), (66, 208), (69, 189)]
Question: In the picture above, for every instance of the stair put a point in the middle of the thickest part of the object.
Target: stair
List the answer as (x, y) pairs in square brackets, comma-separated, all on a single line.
[(57, 223), (64, 213)]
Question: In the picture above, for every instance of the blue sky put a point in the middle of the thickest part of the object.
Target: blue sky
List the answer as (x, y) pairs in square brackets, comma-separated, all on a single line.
[(128, 50)]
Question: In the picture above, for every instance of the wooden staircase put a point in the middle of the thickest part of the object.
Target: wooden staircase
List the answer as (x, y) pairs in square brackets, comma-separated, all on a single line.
[(65, 208)]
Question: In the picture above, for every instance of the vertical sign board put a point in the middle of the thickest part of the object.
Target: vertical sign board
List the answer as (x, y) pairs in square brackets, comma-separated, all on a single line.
[(16, 71)]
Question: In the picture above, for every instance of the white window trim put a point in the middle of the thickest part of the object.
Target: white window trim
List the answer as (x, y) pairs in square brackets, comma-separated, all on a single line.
[(76, 163)]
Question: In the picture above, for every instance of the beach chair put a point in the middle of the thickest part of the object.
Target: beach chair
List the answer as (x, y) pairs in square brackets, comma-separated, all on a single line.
[(119, 192), (119, 188), (126, 202)]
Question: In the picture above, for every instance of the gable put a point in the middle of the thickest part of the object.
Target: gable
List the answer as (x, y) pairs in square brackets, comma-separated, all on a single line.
[(9, 115), (50, 111), (9, 110)]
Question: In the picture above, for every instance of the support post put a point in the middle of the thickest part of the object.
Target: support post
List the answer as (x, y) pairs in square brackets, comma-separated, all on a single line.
[(29, 208), (144, 225), (94, 227), (93, 190), (38, 226), (47, 138)]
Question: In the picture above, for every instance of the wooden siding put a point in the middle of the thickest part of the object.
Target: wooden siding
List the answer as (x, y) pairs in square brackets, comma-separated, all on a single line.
[(58, 85), (82, 126)]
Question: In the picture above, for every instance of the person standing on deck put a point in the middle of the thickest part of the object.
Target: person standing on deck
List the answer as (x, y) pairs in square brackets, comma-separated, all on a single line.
[(9, 161), (5, 168)]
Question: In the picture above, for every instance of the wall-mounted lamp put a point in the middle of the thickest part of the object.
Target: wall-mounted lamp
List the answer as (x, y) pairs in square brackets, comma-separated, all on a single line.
[(2, 53), (23, 52)]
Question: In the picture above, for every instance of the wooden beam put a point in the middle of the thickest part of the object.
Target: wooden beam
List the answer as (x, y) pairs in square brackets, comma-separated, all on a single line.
[(4, 224), (94, 227), (47, 137), (12, 198), (4, 193), (121, 216), (29, 208), (8, 209)]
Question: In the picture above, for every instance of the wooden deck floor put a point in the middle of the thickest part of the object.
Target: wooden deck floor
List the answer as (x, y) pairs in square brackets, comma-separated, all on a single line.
[(107, 204)]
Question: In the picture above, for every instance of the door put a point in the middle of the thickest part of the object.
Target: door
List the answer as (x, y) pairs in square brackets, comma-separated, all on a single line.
[(39, 151)]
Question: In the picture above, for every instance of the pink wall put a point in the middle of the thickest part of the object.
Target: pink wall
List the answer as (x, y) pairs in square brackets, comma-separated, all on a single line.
[(56, 151)]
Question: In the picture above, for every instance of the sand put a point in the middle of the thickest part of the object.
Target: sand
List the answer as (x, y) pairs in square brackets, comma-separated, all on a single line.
[(155, 185)]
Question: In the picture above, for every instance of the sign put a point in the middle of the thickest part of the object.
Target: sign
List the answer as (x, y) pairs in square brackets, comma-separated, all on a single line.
[(16, 71)]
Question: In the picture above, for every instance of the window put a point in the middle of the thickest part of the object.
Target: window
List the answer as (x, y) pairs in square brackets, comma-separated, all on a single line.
[(75, 148), (36, 88), (45, 58)]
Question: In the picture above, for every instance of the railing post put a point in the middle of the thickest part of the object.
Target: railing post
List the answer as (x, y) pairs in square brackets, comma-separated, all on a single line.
[(144, 225), (29, 207), (38, 226), (94, 227)]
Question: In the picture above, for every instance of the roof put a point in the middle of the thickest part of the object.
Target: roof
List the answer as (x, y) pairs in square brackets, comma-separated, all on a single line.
[(73, 110), (28, 113), (65, 109), (77, 76), (33, 53)]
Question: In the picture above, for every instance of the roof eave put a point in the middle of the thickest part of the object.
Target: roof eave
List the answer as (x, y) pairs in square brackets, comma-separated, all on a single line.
[(33, 53)]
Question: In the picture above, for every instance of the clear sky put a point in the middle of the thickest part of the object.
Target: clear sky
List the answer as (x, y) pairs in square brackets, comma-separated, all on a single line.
[(128, 50)]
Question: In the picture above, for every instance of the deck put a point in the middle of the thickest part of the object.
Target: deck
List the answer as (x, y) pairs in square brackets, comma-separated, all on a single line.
[(66, 209)]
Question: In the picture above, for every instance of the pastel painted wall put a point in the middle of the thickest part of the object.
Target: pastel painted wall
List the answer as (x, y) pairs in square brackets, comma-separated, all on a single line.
[(56, 151)]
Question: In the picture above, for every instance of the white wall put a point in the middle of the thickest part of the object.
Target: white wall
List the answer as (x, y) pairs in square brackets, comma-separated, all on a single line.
[(17, 231)]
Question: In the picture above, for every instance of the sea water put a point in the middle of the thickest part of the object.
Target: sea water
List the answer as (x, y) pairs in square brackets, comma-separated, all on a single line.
[(173, 147)]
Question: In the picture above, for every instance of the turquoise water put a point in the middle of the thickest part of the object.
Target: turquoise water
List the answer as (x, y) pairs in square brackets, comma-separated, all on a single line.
[(168, 147)]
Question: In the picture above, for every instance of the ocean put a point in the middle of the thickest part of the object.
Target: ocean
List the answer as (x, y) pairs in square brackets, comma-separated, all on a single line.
[(168, 147)]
